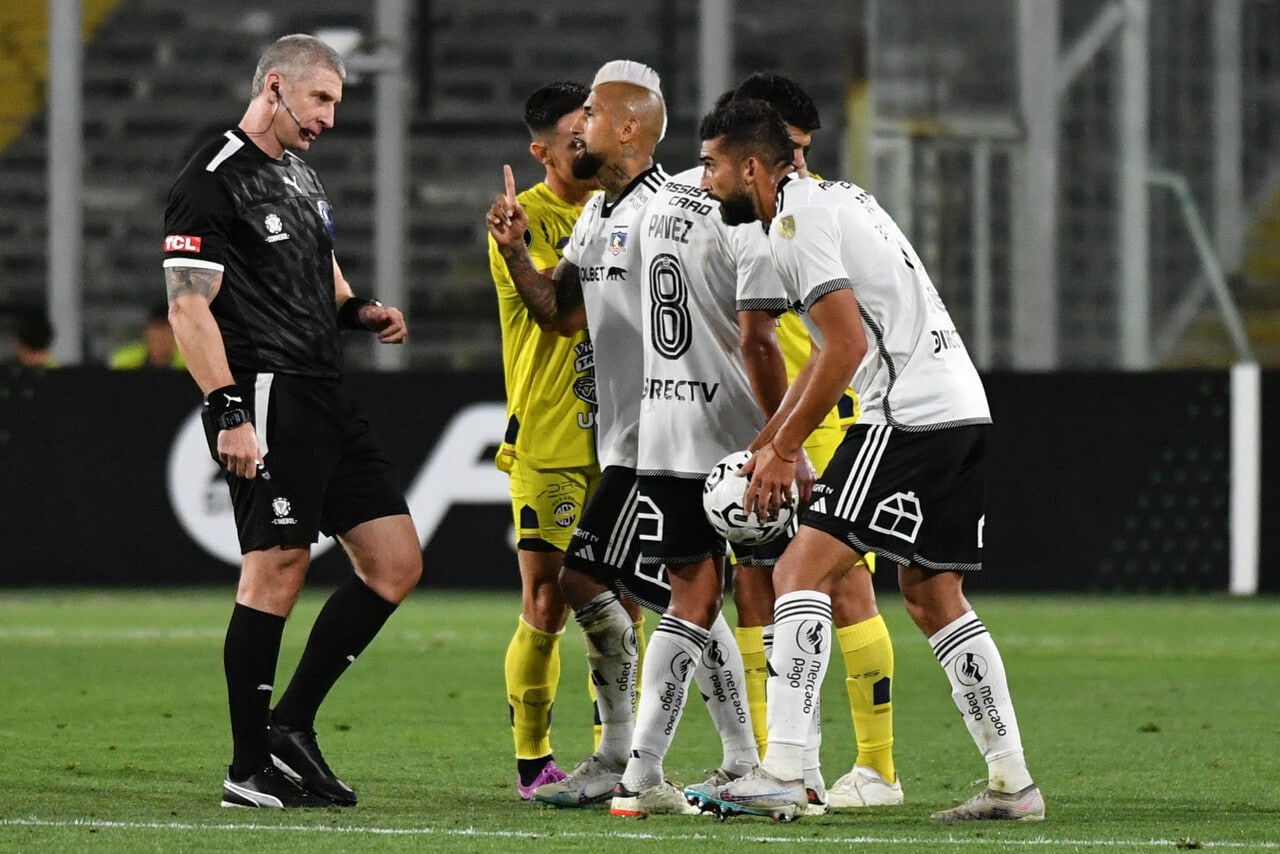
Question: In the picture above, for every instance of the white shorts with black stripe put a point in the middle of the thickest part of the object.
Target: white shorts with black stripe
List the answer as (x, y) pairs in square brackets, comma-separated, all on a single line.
[(913, 497), (606, 543)]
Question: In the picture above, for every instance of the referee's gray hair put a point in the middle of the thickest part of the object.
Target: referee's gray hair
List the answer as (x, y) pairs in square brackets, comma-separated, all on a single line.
[(637, 74), (293, 56)]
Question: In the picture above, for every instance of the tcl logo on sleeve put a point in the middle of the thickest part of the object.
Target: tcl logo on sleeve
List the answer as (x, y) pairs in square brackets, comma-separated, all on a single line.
[(181, 243)]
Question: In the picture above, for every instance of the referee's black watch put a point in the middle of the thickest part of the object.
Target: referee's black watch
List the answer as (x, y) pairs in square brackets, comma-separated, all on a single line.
[(349, 313), (232, 418), (224, 407)]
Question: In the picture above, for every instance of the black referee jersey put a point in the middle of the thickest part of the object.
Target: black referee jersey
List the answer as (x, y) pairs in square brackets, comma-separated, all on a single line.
[(266, 225)]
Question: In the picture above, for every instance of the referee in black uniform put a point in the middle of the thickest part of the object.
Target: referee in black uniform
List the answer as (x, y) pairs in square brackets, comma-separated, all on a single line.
[(257, 300)]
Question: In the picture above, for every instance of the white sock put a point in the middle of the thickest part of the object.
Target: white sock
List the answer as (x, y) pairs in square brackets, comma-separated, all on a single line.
[(812, 750), (801, 649), (969, 656), (722, 681), (611, 654), (669, 660), (813, 747)]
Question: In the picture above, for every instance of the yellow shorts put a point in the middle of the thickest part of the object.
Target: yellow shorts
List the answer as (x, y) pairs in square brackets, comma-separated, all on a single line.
[(546, 503), (821, 446)]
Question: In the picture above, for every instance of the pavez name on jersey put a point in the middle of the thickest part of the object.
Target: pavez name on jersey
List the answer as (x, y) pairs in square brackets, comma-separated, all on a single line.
[(916, 373), (266, 225), (697, 404), (605, 247)]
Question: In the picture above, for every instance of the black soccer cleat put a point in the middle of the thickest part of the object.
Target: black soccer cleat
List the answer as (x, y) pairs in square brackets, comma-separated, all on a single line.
[(269, 789), (296, 753)]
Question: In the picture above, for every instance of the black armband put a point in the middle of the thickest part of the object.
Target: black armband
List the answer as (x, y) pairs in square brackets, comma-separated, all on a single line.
[(349, 314), (225, 407)]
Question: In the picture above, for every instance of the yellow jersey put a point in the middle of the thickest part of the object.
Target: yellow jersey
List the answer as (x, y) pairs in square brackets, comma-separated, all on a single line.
[(550, 381), (134, 356)]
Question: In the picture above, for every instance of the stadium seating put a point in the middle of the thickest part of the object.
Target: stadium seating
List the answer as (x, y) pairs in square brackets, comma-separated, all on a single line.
[(158, 72)]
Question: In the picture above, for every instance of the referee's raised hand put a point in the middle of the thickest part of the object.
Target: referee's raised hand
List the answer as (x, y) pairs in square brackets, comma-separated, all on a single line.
[(507, 220)]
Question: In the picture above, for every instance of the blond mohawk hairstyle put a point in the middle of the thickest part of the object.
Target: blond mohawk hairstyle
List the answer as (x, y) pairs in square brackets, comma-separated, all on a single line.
[(636, 74)]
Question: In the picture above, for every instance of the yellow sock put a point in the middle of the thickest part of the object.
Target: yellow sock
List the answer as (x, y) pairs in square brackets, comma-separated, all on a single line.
[(751, 645), (868, 658), (597, 728), (641, 643), (533, 672)]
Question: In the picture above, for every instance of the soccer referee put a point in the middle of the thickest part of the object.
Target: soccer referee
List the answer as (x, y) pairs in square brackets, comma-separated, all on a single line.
[(256, 300)]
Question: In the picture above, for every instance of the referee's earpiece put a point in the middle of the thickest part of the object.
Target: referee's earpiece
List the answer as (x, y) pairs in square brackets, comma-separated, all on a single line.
[(306, 134)]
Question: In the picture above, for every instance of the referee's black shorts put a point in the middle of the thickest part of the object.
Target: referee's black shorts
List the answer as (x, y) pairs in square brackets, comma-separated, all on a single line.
[(323, 469)]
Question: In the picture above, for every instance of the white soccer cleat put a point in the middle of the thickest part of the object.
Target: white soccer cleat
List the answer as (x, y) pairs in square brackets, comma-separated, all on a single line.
[(818, 802), (756, 793), (591, 783), (662, 799), (864, 787), (988, 805), (718, 778), (699, 792)]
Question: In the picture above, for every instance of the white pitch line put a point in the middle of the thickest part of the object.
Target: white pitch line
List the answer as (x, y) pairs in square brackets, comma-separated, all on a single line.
[(47, 633), (985, 842)]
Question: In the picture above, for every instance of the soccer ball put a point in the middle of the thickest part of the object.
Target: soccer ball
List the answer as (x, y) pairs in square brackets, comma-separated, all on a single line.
[(722, 500)]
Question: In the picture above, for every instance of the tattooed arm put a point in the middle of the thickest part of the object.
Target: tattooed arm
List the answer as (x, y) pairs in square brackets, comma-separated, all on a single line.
[(569, 299), (554, 301), (191, 289)]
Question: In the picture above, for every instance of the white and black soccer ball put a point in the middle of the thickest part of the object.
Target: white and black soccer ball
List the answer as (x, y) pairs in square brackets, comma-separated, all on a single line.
[(722, 500)]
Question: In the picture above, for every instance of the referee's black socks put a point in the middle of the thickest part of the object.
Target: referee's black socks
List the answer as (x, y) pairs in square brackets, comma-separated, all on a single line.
[(249, 657), (349, 620)]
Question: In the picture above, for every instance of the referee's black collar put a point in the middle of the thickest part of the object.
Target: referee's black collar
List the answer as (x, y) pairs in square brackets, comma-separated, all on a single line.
[(283, 160)]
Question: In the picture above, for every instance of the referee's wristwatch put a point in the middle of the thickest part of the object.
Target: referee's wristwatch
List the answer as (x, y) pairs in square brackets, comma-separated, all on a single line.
[(225, 408), (232, 418)]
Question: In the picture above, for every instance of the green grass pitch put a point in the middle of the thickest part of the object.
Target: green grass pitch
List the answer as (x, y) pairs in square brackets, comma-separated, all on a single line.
[(1150, 724)]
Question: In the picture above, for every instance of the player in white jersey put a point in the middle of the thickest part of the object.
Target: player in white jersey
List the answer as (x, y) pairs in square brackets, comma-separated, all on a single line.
[(859, 628), (706, 289), (598, 282), (907, 482), (709, 298)]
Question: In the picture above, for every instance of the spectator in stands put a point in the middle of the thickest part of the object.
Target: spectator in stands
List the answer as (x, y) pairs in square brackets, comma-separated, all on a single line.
[(33, 347), (156, 348)]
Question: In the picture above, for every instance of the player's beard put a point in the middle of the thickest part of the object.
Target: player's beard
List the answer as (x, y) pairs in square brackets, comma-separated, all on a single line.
[(586, 165), (736, 208)]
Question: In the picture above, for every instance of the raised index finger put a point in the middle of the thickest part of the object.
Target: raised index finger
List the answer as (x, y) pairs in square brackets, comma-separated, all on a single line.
[(510, 178)]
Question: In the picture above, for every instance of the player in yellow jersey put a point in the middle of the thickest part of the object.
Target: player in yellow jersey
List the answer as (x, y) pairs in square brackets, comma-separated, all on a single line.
[(864, 638), (549, 447)]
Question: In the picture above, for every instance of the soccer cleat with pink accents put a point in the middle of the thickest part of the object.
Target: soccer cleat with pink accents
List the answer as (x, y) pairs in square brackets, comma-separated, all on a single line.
[(591, 783), (756, 793), (1026, 805), (549, 774)]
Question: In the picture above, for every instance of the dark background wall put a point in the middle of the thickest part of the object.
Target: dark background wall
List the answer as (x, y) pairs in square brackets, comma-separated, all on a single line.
[(1099, 481)]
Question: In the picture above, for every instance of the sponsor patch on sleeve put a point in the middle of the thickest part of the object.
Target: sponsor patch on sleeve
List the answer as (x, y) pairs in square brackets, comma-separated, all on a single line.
[(181, 243)]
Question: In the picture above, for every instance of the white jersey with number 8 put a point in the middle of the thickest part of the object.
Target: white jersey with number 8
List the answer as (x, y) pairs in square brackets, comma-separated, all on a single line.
[(697, 404)]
